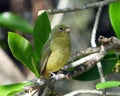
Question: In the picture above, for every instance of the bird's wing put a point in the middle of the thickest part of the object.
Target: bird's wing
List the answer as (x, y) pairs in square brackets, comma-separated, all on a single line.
[(45, 55)]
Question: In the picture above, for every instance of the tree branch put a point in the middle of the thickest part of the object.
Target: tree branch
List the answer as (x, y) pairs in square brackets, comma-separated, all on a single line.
[(108, 44), (93, 43), (93, 5)]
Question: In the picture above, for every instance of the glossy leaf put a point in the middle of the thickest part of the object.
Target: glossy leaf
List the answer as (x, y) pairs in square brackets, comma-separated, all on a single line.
[(10, 89), (108, 64), (14, 22), (22, 50), (114, 12), (41, 32), (108, 84)]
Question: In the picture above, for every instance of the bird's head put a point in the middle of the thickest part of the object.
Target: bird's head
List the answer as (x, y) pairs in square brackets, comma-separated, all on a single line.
[(61, 30)]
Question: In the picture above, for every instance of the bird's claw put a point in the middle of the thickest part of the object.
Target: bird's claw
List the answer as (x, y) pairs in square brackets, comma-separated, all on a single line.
[(54, 76), (57, 76)]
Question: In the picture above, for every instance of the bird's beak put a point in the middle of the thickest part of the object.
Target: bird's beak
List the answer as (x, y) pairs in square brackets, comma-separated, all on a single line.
[(68, 29)]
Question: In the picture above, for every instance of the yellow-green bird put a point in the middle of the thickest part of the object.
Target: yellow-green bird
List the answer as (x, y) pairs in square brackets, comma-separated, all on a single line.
[(56, 51)]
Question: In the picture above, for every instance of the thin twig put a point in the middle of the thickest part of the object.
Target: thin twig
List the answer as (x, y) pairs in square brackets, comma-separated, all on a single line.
[(80, 54), (93, 35), (93, 43), (87, 62), (93, 5), (95, 57)]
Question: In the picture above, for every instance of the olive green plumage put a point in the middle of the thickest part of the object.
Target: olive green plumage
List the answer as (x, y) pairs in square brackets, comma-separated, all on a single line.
[(56, 51)]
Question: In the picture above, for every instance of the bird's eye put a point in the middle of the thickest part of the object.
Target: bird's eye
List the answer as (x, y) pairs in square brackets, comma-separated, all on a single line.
[(61, 28)]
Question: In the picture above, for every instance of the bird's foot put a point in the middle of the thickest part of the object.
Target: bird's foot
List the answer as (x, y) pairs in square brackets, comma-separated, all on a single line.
[(54, 76), (57, 76)]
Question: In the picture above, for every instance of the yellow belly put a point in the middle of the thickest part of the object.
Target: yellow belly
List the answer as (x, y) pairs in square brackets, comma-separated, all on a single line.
[(56, 61), (60, 53)]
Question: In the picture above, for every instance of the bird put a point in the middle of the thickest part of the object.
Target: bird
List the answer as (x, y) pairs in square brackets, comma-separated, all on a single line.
[(56, 51)]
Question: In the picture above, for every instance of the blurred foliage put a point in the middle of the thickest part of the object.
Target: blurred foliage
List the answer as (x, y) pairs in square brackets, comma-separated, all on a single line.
[(11, 21)]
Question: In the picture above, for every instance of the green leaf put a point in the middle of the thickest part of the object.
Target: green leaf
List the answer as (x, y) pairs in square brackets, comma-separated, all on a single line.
[(22, 50), (108, 84), (10, 89), (114, 12), (14, 22), (42, 29), (108, 64)]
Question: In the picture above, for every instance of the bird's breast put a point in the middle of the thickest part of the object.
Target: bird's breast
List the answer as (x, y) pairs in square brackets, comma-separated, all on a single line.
[(60, 53)]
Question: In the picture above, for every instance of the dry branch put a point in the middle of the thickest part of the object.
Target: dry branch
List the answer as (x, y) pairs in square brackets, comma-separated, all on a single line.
[(93, 5)]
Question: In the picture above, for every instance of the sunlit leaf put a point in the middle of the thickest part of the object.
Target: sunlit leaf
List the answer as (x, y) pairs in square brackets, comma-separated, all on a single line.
[(6, 90), (114, 12), (22, 50), (108, 84)]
